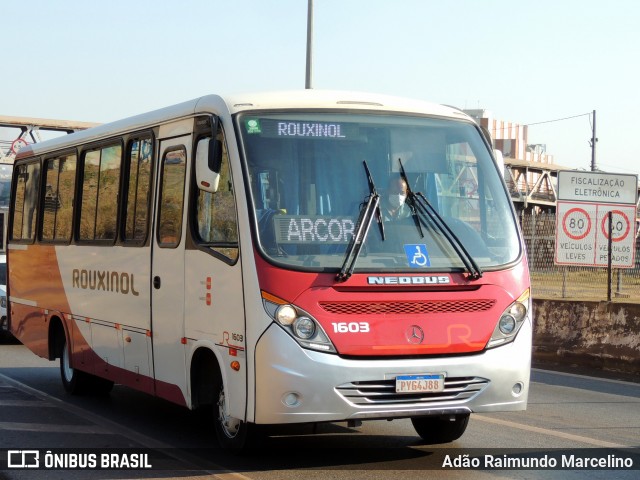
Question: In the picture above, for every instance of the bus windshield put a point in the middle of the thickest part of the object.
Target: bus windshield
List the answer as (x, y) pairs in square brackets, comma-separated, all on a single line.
[(312, 175)]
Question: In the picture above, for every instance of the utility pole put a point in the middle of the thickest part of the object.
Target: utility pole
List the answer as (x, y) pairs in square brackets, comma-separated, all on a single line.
[(594, 139), (307, 83)]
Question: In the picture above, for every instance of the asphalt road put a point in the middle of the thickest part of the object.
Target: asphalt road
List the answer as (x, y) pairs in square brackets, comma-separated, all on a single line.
[(568, 415)]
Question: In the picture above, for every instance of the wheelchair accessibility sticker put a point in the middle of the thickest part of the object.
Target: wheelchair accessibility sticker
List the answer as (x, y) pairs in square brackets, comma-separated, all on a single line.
[(417, 255)]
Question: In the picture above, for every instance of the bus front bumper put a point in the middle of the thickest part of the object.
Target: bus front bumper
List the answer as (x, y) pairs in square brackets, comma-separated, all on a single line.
[(294, 385)]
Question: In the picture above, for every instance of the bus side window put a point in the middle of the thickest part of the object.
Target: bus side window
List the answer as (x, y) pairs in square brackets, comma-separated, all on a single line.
[(174, 165), (100, 185), (57, 215), (138, 177), (215, 213), (27, 181)]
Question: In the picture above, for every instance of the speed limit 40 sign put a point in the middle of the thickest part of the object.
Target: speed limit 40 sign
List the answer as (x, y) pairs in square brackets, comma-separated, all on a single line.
[(622, 236)]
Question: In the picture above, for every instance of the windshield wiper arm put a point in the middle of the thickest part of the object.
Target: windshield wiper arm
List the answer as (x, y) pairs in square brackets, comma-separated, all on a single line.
[(370, 209), (411, 200), (374, 192), (419, 204), (425, 207)]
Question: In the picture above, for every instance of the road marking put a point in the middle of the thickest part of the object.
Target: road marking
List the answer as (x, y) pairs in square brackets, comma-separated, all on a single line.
[(55, 428), (21, 403), (553, 433), (577, 375), (232, 476)]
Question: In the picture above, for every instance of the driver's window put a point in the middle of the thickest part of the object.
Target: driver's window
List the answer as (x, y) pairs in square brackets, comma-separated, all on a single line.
[(217, 226)]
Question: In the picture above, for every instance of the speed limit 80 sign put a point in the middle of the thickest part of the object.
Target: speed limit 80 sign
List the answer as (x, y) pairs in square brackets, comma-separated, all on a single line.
[(576, 223), (575, 234)]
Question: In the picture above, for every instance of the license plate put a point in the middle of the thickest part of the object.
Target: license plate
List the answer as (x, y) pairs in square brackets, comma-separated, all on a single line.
[(420, 383)]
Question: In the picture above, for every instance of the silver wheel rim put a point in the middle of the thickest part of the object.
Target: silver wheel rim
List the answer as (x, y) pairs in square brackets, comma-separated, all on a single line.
[(67, 371), (230, 425)]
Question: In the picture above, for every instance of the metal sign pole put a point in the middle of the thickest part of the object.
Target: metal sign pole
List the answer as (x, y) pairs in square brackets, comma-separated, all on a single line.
[(609, 276), (309, 71)]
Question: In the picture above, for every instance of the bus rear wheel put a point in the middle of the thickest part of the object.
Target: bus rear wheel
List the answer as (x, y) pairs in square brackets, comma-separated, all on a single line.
[(232, 433), (440, 429)]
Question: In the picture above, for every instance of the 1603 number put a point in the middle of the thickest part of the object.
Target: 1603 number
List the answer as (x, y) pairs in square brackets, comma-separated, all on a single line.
[(351, 327)]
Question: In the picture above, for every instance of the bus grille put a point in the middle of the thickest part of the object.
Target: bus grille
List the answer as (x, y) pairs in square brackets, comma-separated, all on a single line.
[(403, 308), (383, 392)]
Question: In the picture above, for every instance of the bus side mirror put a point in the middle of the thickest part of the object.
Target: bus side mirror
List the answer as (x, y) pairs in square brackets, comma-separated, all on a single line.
[(486, 135), (497, 154), (499, 158), (208, 162)]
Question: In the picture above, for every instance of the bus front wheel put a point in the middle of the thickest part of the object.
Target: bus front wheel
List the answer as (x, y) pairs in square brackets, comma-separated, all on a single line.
[(232, 433), (440, 429)]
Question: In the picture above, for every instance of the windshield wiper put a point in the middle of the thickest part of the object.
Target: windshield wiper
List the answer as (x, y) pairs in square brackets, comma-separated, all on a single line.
[(419, 204), (411, 200), (369, 209)]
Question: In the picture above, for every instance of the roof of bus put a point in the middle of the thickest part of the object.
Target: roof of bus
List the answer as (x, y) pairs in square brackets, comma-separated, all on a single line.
[(330, 99), (297, 99)]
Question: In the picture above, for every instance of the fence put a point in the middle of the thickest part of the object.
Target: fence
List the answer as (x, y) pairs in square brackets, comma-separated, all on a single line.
[(572, 282)]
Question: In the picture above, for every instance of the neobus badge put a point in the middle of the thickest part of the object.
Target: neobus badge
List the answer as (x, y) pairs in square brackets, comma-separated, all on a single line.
[(420, 280)]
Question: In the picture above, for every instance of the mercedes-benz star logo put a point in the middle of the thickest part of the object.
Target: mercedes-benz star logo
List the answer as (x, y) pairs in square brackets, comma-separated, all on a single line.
[(414, 334)]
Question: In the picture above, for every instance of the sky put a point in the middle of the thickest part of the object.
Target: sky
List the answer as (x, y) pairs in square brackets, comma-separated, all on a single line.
[(527, 62)]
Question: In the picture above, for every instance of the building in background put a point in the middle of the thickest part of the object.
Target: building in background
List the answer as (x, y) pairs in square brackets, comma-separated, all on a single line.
[(529, 171)]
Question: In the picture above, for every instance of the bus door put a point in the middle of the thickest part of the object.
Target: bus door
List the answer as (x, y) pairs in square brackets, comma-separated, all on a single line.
[(214, 306), (167, 271)]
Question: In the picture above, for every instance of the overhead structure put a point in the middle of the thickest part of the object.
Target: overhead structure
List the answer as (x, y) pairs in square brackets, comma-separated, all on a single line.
[(531, 184), (29, 132)]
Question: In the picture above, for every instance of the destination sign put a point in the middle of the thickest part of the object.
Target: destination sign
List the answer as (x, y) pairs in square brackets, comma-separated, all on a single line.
[(300, 129), (313, 229)]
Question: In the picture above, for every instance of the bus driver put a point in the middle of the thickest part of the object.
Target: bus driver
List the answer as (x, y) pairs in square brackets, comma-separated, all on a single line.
[(393, 204)]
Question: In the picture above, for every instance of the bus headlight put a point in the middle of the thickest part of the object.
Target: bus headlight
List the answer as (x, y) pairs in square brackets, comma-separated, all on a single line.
[(507, 324), (286, 314), (299, 324), (510, 321), (304, 327)]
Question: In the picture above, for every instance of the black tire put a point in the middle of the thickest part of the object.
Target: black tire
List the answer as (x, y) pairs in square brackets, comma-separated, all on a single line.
[(99, 386), (232, 433), (440, 429), (77, 382)]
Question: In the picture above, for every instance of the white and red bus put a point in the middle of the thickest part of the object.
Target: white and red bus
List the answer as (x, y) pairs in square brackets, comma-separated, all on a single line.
[(298, 257)]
